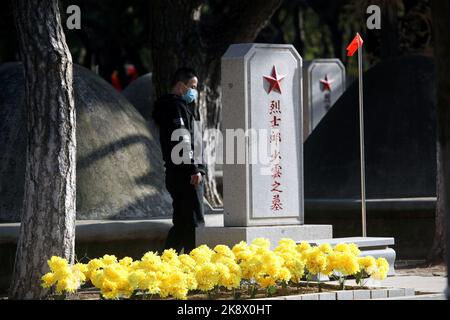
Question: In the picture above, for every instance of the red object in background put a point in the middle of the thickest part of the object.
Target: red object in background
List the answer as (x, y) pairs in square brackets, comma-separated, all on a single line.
[(132, 72), (115, 81), (356, 43)]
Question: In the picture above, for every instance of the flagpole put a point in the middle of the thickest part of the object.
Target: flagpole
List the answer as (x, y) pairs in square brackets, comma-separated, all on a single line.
[(361, 139)]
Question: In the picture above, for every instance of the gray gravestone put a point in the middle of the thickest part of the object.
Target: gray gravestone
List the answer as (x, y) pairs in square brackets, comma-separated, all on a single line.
[(248, 105), (141, 94), (324, 83), (263, 194)]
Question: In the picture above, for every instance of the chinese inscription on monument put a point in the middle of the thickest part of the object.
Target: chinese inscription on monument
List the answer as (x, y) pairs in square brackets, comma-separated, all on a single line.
[(275, 119)]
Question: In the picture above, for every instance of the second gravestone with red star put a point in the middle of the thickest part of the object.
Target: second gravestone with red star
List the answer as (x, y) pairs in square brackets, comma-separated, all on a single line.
[(262, 129), (323, 85)]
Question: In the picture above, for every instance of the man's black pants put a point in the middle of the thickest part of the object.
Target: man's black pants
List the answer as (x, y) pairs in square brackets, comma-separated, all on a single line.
[(187, 211)]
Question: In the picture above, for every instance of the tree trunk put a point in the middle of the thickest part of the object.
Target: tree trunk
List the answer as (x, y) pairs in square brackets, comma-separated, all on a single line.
[(182, 36), (299, 24), (441, 26), (389, 45), (48, 217)]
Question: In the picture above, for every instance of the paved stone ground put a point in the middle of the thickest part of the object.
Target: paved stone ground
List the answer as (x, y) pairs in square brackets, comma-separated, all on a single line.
[(421, 271)]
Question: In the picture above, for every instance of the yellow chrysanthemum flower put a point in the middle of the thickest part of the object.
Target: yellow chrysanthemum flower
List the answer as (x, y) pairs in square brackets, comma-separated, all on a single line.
[(284, 275), (80, 271), (224, 251), (303, 247), (202, 254), (187, 264), (242, 252), (347, 264), (342, 247), (171, 257), (207, 276), (354, 249), (191, 281), (288, 243), (126, 262), (173, 282), (326, 248), (68, 284), (67, 278), (168, 255), (261, 243), (316, 261), (368, 264), (382, 269), (297, 269), (382, 263), (151, 261), (265, 282), (56, 263), (48, 280), (109, 259)]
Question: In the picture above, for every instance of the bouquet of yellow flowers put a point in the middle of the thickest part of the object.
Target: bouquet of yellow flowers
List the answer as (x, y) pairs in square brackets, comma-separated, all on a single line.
[(205, 269)]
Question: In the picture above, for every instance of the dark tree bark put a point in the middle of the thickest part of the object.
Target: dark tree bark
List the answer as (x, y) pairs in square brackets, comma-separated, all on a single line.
[(328, 12), (389, 44), (299, 25), (182, 36), (48, 217), (441, 26)]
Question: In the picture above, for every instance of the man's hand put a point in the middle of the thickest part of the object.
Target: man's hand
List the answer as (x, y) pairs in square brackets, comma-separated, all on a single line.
[(196, 179)]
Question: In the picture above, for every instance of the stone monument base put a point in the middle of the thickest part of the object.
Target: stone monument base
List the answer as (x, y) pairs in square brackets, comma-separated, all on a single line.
[(230, 236)]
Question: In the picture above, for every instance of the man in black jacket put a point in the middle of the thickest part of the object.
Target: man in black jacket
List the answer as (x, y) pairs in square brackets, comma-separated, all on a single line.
[(174, 113)]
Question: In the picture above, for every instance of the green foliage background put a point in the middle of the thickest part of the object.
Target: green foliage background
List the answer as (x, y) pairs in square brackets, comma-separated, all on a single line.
[(116, 32)]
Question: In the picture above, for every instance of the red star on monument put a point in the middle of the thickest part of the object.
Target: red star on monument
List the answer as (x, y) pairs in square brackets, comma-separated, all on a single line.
[(274, 80), (326, 84)]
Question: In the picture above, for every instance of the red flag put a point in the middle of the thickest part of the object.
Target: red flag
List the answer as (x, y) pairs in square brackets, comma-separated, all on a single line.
[(354, 45)]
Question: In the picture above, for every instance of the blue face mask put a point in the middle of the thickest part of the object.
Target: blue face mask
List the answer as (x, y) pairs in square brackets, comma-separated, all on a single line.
[(190, 96)]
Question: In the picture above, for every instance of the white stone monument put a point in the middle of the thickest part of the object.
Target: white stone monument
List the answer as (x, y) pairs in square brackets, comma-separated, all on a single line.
[(324, 83), (263, 171)]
